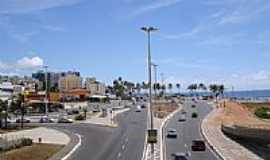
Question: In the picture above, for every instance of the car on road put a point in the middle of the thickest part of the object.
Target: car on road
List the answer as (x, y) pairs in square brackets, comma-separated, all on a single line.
[(179, 156), (184, 112), (198, 145), (25, 120), (193, 106), (46, 119), (143, 106), (171, 133), (182, 118), (194, 115), (65, 120)]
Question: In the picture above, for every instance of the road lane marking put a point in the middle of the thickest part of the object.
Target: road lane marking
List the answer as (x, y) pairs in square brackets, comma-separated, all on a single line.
[(74, 148), (119, 155), (123, 147)]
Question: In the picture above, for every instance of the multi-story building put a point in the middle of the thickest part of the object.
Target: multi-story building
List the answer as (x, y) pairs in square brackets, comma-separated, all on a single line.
[(52, 80), (69, 82), (95, 87)]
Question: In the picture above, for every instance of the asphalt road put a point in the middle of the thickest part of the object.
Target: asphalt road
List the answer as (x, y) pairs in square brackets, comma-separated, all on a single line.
[(188, 131), (103, 143)]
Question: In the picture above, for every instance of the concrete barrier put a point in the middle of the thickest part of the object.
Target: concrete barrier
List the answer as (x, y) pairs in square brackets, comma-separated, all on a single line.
[(256, 134)]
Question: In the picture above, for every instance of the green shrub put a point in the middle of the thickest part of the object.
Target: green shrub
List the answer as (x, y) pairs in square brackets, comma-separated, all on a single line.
[(263, 112), (27, 142), (80, 117)]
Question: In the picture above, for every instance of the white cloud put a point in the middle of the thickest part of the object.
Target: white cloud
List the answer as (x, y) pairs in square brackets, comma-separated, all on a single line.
[(26, 6), (27, 62), (158, 4)]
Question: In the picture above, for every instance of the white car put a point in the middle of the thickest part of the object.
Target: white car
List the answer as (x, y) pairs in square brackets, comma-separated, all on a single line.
[(65, 120)]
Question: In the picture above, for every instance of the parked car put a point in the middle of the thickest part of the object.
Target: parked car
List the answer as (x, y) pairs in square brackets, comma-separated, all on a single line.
[(65, 120), (198, 145), (194, 115), (25, 120), (46, 119), (179, 156), (171, 133)]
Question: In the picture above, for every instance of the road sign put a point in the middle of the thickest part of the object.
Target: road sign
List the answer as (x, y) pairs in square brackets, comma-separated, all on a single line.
[(152, 136)]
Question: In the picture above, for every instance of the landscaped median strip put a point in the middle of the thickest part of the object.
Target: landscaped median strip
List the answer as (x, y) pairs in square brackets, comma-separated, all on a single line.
[(160, 149)]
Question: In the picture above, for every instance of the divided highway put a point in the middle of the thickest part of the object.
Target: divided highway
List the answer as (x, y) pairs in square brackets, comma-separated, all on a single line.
[(103, 143), (187, 131)]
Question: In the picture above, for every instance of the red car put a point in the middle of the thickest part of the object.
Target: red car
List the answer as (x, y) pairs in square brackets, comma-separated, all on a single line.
[(198, 145)]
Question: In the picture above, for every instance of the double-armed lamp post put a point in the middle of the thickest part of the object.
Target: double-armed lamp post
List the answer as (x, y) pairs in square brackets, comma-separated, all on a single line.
[(148, 30)]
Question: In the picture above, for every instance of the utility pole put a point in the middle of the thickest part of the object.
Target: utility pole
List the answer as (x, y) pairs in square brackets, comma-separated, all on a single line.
[(46, 89), (155, 73), (148, 30)]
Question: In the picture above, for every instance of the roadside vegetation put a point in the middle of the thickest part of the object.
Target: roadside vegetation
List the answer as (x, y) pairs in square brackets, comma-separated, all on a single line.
[(261, 110), (34, 152)]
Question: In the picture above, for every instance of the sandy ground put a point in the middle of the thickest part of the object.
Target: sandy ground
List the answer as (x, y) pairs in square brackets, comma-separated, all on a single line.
[(238, 114)]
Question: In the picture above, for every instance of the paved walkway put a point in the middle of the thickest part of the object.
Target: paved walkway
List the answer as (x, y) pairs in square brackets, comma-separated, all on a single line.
[(105, 121), (224, 146), (51, 136)]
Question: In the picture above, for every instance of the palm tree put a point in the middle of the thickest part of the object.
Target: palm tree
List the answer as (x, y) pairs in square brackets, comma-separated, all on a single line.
[(170, 86), (214, 88), (138, 87), (202, 87), (178, 86), (163, 88), (192, 88), (221, 90)]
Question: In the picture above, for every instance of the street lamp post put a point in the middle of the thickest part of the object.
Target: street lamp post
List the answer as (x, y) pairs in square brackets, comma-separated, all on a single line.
[(148, 30), (46, 89), (155, 73)]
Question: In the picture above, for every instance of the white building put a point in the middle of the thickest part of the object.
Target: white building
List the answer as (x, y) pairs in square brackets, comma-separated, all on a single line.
[(95, 87), (69, 82)]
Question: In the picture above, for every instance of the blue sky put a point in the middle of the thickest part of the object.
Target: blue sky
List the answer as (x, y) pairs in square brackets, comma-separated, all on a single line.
[(224, 41)]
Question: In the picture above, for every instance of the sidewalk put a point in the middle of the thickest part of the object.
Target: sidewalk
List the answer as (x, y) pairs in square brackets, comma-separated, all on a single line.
[(224, 146), (105, 121), (47, 135)]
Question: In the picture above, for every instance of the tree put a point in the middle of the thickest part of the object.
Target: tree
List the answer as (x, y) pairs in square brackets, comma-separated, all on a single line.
[(192, 87), (221, 90), (170, 87), (3, 113), (214, 88), (178, 86), (202, 87), (138, 87)]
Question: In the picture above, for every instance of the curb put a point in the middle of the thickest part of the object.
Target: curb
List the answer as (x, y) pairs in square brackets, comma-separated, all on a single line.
[(71, 147), (161, 131), (210, 146), (74, 148)]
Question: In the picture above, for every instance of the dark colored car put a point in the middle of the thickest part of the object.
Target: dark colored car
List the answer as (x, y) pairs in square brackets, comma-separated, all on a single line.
[(193, 106), (198, 145), (24, 120), (179, 156), (171, 133), (143, 106), (194, 115)]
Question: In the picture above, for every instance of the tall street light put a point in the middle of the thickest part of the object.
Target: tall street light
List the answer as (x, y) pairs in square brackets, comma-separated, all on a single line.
[(155, 74), (46, 89), (148, 30)]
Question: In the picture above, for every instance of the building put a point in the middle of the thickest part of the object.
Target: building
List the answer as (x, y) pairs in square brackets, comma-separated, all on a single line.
[(95, 87), (69, 82), (52, 80)]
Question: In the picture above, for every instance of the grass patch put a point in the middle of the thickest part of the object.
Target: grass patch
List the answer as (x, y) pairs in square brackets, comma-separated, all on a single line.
[(34, 152), (261, 110)]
